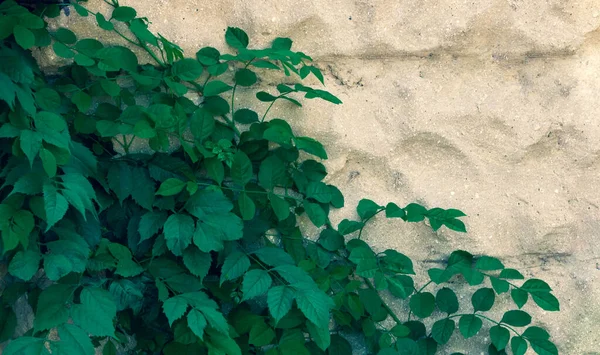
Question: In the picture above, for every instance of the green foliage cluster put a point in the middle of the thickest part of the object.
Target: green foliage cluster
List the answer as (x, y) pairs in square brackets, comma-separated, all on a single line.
[(196, 248)]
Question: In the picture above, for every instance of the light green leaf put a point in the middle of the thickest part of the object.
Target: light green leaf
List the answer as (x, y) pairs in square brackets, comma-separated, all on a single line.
[(234, 266), (279, 300), (216, 87), (55, 205), (236, 38), (320, 335), (31, 142), (73, 340), (256, 282), (469, 325), (315, 213), (196, 322), (24, 37), (124, 13), (187, 69), (488, 263), (96, 312), (174, 308), (179, 229), (25, 264), (171, 186), (48, 162), (280, 206), (26, 346), (499, 336), (311, 146)]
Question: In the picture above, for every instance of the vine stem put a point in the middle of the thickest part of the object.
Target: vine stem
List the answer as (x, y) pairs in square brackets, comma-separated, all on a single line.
[(486, 318), (271, 105), (367, 220), (243, 190)]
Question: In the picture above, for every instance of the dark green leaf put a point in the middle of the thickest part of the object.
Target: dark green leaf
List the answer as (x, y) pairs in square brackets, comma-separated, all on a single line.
[(488, 263), (446, 300), (367, 209), (315, 213), (24, 37), (279, 300), (415, 212), (310, 146), (247, 206), (202, 124), (546, 301), (516, 318), (241, 168), (47, 99), (208, 56), (187, 69), (256, 282), (25, 264), (65, 35), (442, 330), (543, 347), (519, 296), (518, 345), (234, 266), (483, 299), (245, 116), (197, 262), (401, 286), (469, 325), (216, 87), (96, 312), (280, 206), (245, 77), (265, 96), (499, 336), (26, 346), (422, 304), (124, 13), (73, 340), (178, 229), (236, 38)]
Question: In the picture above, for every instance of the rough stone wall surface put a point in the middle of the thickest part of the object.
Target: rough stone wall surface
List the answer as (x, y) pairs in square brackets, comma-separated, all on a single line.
[(488, 106)]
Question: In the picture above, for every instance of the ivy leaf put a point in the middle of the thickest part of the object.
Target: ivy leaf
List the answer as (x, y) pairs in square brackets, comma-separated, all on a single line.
[(543, 347), (442, 330), (202, 124), (310, 146), (280, 206), (315, 213), (469, 325), (518, 345), (422, 304), (367, 209), (314, 303), (208, 56), (174, 308), (51, 307), (25, 264), (500, 286), (516, 318), (170, 187), (256, 282), (179, 229), (446, 300), (247, 207), (488, 263), (26, 346), (55, 205), (320, 335), (236, 38), (124, 13), (48, 162), (483, 299), (31, 142), (318, 191), (216, 87), (47, 99), (187, 69), (73, 340), (197, 322), (96, 312), (401, 286), (197, 262), (150, 224), (245, 77), (234, 266), (546, 301), (271, 173), (241, 168), (519, 297), (279, 300), (499, 336), (511, 274)]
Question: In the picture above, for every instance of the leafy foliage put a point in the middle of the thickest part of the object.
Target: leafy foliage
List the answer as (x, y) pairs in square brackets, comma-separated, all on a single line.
[(197, 248)]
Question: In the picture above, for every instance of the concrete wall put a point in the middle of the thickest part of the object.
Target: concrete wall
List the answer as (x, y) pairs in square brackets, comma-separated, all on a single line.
[(487, 106)]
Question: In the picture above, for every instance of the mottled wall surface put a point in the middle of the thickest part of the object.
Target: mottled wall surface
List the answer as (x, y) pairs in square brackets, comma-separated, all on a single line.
[(487, 106)]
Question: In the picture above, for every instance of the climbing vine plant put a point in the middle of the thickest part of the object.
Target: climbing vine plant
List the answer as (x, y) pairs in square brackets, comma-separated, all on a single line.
[(196, 248)]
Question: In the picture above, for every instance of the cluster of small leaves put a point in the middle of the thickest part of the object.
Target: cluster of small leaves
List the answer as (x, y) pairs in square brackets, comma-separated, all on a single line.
[(196, 248)]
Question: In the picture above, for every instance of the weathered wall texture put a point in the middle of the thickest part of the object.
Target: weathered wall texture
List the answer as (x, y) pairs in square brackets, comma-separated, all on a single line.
[(488, 106)]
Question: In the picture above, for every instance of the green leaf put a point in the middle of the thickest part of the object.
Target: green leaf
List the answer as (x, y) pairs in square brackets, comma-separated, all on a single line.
[(96, 312), (73, 340), (170, 187), (415, 212), (422, 304), (174, 308), (543, 347), (446, 300), (55, 205), (511, 274), (279, 131), (140, 30), (469, 325), (24, 37), (245, 77), (234, 266), (179, 229), (236, 38), (279, 300), (314, 303), (197, 322), (8, 323), (442, 330), (265, 96), (26, 346), (282, 43), (315, 213), (398, 262), (216, 87), (320, 335), (516, 318), (546, 301), (346, 226), (51, 307), (500, 286), (488, 263), (208, 56), (261, 334), (272, 172), (518, 346), (110, 87), (215, 169), (197, 262), (31, 142), (483, 299), (280, 206), (535, 285), (367, 209), (247, 207), (82, 100), (519, 297), (103, 23), (202, 124), (499, 336), (25, 264), (241, 168), (62, 50), (393, 211), (318, 191), (245, 116), (48, 162), (65, 35), (310, 146), (124, 13), (331, 240), (47, 99), (256, 282), (536, 333), (187, 69), (401, 286)]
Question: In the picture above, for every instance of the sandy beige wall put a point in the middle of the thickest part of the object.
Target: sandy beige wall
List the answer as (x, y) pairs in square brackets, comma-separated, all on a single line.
[(488, 106)]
